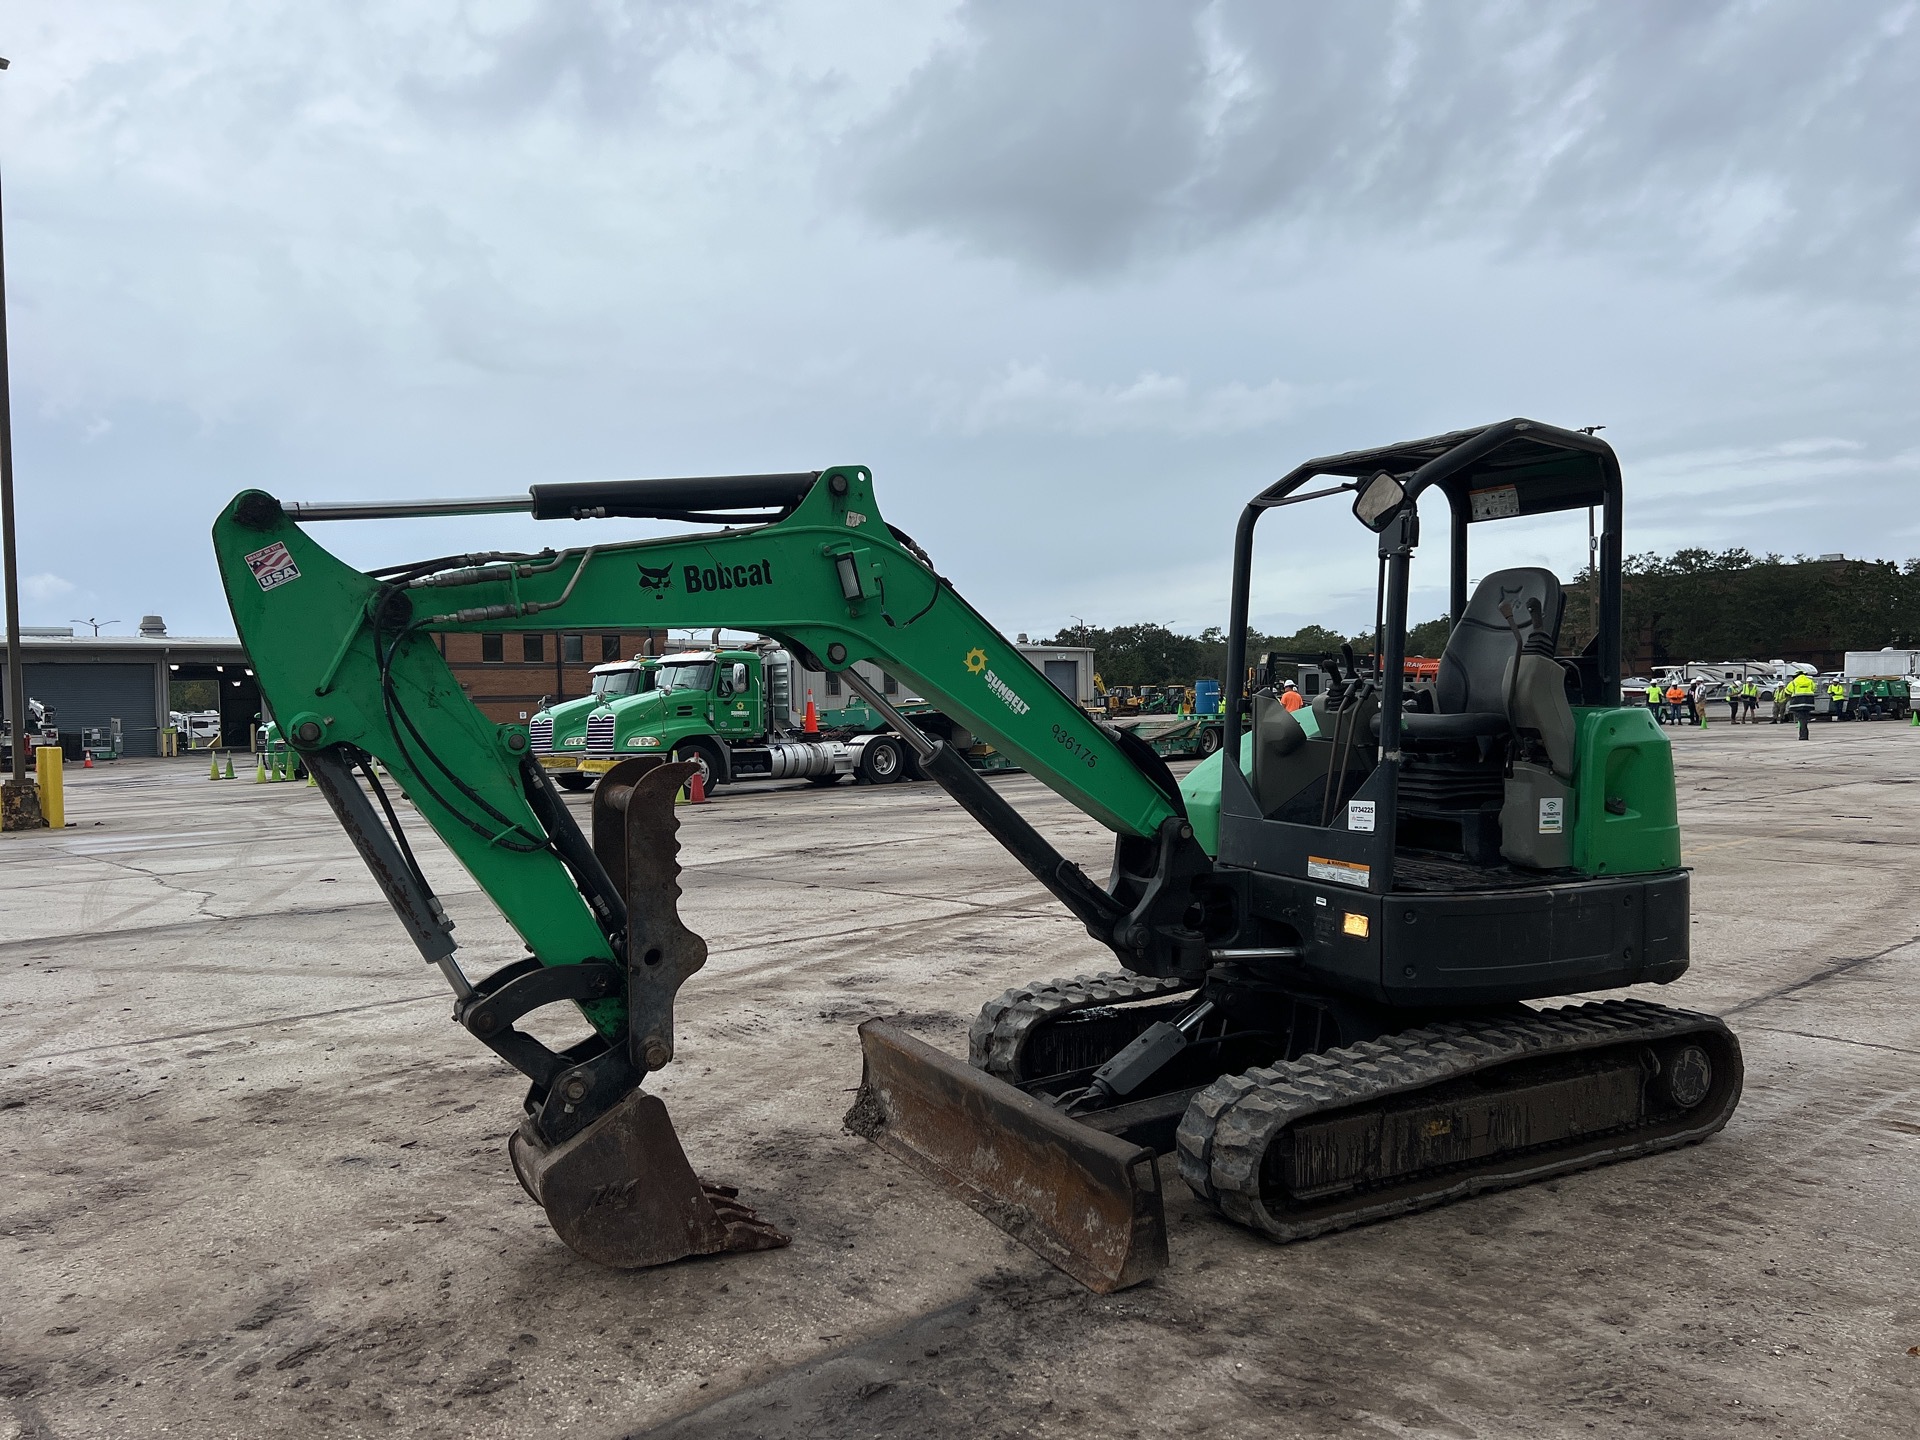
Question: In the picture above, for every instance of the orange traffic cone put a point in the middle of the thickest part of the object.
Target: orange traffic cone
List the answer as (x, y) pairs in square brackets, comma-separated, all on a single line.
[(812, 724), (696, 789), (87, 764)]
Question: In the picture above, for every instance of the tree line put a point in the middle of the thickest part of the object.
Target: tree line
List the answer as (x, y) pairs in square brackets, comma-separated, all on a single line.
[(1694, 604), (1698, 604), (1151, 654)]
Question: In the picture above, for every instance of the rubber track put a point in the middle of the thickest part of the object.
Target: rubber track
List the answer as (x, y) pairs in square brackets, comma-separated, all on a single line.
[(1229, 1126), (1000, 1032)]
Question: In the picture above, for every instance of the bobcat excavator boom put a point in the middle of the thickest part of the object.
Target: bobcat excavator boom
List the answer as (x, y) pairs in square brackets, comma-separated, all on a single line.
[(350, 663), (1306, 1011)]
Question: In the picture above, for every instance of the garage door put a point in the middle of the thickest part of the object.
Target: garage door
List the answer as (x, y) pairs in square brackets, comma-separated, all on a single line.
[(87, 695), (1065, 674)]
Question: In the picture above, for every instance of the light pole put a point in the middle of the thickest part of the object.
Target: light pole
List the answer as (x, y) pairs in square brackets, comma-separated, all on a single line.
[(20, 804)]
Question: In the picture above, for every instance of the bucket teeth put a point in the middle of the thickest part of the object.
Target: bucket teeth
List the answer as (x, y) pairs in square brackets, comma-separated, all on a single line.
[(621, 1193)]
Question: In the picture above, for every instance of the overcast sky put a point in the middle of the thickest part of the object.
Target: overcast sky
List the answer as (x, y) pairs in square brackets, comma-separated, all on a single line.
[(1075, 279)]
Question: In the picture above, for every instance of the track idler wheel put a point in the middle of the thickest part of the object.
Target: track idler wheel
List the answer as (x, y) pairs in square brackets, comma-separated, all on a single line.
[(621, 1193)]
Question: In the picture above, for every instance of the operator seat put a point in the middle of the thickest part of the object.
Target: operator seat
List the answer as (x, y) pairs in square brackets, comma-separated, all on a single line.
[(1470, 698)]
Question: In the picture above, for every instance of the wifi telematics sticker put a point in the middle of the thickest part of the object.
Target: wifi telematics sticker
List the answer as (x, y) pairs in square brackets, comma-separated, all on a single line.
[(273, 566)]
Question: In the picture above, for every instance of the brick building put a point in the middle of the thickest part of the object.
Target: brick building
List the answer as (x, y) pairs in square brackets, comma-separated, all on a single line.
[(508, 675)]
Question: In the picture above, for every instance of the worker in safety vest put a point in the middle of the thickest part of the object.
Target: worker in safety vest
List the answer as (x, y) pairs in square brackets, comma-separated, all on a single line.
[(1654, 701), (1733, 703), (1291, 697), (1836, 699), (1676, 701), (1750, 701), (1800, 693)]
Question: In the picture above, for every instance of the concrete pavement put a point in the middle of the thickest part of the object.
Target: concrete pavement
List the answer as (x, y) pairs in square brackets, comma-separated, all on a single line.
[(255, 1179)]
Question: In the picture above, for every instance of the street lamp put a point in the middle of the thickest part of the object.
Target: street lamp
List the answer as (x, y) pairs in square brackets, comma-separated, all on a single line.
[(20, 797)]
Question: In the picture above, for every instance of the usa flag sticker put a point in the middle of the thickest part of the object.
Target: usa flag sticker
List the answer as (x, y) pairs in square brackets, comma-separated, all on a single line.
[(273, 566)]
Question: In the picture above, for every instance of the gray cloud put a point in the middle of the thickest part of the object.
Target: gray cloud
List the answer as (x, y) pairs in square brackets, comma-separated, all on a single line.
[(595, 63), (1074, 279), (1057, 130), (1760, 140)]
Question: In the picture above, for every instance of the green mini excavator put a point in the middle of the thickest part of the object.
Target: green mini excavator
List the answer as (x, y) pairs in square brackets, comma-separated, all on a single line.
[(1325, 936)]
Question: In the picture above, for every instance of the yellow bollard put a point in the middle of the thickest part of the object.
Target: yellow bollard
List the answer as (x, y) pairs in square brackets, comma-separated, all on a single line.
[(53, 789)]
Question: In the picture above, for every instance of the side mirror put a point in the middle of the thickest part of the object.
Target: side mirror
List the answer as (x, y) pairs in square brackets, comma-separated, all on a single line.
[(739, 677), (1377, 500)]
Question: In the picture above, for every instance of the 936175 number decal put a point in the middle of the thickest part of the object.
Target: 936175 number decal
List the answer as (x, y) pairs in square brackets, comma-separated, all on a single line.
[(1074, 747)]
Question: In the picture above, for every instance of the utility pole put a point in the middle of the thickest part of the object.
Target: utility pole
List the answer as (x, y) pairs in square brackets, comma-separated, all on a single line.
[(20, 798)]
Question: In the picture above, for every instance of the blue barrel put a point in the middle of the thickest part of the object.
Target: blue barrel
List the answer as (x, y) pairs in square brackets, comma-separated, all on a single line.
[(1206, 697)]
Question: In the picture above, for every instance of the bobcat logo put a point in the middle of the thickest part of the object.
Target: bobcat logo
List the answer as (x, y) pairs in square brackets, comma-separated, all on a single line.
[(661, 579)]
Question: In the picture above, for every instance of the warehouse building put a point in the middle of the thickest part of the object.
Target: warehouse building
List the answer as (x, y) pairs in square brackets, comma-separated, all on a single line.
[(93, 681)]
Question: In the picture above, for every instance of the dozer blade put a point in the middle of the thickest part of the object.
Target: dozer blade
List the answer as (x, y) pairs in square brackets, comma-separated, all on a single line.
[(1086, 1201), (622, 1194)]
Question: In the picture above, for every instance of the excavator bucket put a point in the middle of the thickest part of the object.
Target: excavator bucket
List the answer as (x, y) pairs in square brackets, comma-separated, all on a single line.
[(620, 1192), (1086, 1201)]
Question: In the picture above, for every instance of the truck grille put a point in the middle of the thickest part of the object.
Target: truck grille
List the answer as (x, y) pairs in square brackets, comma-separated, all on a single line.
[(540, 734), (600, 734)]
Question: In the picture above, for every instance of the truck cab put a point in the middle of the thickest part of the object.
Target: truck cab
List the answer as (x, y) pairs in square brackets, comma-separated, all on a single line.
[(558, 733), (741, 714), (700, 705)]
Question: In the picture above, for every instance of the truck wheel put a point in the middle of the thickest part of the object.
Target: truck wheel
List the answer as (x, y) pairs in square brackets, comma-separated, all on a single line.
[(575, 783), (701, 753), (1209, 742), (882, 761)]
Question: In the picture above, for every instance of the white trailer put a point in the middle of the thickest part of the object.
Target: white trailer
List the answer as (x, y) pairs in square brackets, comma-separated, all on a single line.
[(1882, 664)]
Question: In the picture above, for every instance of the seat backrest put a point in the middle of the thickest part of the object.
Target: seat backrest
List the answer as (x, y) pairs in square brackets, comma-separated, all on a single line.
[(1473, 667)]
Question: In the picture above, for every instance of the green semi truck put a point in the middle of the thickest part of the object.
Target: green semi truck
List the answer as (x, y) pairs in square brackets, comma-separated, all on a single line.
[(559, 730), (741, 713)]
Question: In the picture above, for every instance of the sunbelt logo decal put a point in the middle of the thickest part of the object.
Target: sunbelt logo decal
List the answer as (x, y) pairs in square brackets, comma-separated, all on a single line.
[(977, 664)]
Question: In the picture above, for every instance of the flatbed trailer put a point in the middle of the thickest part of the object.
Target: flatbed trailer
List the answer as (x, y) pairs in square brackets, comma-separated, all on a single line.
[(1175, 735)]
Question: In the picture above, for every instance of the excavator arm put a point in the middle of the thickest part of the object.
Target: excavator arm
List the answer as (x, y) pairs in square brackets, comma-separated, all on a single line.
[(352, 667)]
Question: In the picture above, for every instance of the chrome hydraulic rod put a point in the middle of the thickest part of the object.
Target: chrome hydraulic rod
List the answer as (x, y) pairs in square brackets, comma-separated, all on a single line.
[(405, 509), (686, 497)]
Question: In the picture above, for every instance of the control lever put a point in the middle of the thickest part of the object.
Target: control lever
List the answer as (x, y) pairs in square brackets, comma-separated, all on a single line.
[(1337, 684)]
